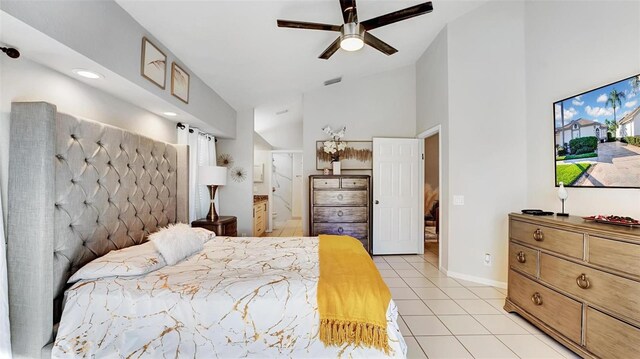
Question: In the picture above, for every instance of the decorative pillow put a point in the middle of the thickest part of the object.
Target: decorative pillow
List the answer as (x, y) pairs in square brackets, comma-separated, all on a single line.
[(130, 261), (204, 234), (177, 242)]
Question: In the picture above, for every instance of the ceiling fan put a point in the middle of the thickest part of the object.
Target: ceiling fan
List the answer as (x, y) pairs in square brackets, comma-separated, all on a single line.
[(354, 34)]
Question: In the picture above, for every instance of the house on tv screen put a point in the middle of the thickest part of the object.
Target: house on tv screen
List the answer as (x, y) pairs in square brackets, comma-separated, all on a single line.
[(628, 125), (581, 127)]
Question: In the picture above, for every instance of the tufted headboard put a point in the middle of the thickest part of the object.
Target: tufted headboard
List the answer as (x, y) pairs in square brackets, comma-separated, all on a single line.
[(77, 190)]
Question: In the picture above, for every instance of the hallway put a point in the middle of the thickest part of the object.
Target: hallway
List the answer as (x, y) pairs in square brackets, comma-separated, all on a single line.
[(291, 228)]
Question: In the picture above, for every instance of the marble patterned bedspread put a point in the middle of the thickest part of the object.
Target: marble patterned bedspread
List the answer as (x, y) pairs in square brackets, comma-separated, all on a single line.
[(239, 297)]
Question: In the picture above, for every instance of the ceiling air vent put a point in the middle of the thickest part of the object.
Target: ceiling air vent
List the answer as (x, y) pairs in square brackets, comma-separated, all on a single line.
[(333, 81)]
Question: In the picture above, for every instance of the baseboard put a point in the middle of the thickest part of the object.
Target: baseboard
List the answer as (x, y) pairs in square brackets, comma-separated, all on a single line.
[(475, 279)]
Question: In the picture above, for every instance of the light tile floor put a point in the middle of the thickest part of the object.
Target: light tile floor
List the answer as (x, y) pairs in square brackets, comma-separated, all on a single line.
[(444, 317), (292, 228)]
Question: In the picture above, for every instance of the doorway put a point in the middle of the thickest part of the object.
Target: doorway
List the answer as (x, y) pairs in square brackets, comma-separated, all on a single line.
[(286, 194), (432, 178)]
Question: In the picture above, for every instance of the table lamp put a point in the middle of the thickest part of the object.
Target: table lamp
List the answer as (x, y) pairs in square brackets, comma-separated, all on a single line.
[(563, 195), (212, 177)]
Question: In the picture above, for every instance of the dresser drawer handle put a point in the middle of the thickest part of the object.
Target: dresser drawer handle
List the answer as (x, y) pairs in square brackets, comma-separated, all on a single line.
[(583, 282), (340, 213), (521, 257), (538, 235), (340, 197), (340, 230), (536, 298)]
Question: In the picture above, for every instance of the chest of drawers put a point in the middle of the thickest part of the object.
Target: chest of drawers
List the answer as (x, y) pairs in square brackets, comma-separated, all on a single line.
[(340, 205), (577, 281)]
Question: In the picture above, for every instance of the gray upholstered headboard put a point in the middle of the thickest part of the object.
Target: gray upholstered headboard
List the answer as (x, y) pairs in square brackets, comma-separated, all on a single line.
[(77, 190)]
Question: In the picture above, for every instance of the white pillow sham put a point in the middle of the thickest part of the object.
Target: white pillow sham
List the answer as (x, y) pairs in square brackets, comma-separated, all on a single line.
[(130, 261), (177, 242)]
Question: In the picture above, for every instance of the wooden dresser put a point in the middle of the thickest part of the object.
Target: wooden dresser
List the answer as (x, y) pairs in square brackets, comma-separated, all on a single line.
[(341, 205), (577, 281), (260, 216)]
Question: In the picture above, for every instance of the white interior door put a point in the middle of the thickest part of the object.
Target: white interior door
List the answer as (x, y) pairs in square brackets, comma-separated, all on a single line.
[(396, 196)]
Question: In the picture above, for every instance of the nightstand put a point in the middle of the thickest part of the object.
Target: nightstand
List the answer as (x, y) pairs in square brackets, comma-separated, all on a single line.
[(223, 226)]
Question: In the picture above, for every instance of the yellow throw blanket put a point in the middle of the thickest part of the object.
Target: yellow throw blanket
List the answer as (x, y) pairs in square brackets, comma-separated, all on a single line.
[(352, 297)]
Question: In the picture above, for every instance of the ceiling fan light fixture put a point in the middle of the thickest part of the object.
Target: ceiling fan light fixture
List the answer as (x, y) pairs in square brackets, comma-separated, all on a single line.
[(351, 43), (352, 38)]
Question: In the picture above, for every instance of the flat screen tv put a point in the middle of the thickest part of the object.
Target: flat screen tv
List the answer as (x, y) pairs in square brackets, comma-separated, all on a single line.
[(597, 137)]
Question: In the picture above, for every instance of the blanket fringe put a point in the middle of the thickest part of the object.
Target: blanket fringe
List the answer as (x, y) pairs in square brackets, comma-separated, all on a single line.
[(338, 332)]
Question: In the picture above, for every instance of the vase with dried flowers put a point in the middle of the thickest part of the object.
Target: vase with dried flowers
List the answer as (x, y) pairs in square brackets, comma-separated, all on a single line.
[(334, 146)]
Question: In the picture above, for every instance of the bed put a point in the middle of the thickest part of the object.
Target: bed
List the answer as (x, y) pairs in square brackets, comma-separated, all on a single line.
[(79, 189)]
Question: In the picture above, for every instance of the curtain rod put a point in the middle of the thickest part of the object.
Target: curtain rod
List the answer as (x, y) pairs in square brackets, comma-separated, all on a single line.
[(181, 126)]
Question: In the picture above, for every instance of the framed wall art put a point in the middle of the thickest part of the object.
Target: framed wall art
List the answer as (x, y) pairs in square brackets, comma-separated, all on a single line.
[(358, 155), (179, 83), (153, 64)]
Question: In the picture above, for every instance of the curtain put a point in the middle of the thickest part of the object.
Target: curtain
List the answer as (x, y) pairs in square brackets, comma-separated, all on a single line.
[(5, 338), (202, 152)]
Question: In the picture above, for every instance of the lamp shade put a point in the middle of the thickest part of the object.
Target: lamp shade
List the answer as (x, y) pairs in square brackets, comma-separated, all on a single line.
[(212, 175)]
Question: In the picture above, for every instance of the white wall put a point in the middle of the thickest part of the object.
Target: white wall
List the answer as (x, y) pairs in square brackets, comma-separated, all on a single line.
[(285, 137), (432, 109), (381, 105), (487, 140), (23, 80), (578, 46), (236, 198), (105, 33)]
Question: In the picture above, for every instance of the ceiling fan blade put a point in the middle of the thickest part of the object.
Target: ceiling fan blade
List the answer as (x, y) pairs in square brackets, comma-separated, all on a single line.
[(349, 12), (330, 50), (396, 16), (308, 25), (379, 44)]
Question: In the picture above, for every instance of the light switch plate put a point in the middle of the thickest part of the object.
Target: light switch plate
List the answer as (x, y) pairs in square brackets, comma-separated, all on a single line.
[(458, 200)]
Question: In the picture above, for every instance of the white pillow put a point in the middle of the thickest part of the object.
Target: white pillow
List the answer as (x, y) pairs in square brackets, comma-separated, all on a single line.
[(177, 242), (204, 234), (130, 261)]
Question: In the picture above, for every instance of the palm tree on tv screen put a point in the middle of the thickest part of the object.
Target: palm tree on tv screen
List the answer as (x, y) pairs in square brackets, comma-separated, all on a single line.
[(614, 100)]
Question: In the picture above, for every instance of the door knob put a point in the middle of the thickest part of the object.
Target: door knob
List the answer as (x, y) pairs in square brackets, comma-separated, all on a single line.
[(376, 201)]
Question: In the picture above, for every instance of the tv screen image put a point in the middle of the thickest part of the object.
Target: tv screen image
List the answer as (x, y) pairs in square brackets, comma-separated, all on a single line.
[(597, 137)]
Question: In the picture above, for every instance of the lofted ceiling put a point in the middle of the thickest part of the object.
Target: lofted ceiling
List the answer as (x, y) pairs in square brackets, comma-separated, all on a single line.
[(237, 49)]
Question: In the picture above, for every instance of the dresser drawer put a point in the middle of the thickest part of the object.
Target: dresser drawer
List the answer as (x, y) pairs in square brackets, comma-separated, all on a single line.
[(564, 242), (523, 259), (617, 294), (608, 337), (340, 214), (339, 198), (554, 309), (357, 230), (352, 183), (621, 256), (326, 183)]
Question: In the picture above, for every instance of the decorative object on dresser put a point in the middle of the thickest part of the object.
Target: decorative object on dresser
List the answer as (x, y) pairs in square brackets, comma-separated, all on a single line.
[(212, 177), (179, 83), (333, 147), (577, 281), (357, 155), (563, 195), (153, 63), (260, 205), (223, 226), (341, 205)]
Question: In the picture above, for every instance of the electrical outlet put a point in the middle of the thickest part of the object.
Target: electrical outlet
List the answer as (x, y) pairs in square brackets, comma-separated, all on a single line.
[(487, 259), (458, 200)]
